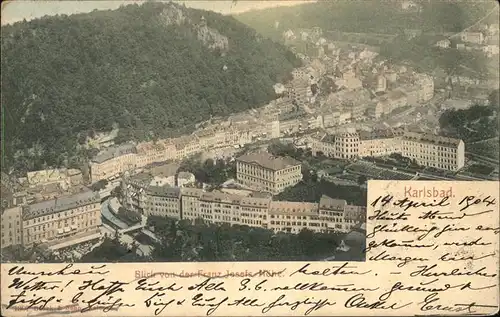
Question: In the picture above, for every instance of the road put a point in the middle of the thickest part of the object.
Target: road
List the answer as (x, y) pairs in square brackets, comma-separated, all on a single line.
[(495, 7), (484, 141), (108, 215)]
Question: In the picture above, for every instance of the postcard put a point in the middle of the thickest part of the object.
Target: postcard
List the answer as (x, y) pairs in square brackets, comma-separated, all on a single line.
[(250, 158)]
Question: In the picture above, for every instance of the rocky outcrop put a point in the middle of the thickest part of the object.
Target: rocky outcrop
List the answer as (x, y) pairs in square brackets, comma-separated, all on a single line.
[(212, 39), (174, 15)]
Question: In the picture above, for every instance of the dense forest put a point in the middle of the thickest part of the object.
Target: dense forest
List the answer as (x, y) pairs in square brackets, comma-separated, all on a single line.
[(360, 16), (475, 123), (64, 77)]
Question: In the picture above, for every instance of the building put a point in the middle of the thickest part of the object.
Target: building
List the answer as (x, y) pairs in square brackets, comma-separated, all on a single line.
[(331, 119), (388, 103), (434, 151), (163, 201), (343, 145), (339, 216), (64, 177), (490, 50), (472, 37), (411, 6), (263, 172), (272, 130), (134, 192), (150, 152), (218, 208), (186, 146), (380, 142), (381, 84), (292, 217), (443, 43), (11, 227), (185, 179), (190, 203), (426, 87), (330, 215), (428, 150), (289, 35), (62, 222), (254, 211), (113, 161)]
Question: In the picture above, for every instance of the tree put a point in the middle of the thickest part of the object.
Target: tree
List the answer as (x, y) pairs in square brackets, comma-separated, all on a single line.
[(493, 98), (362, 179), (161, 82)]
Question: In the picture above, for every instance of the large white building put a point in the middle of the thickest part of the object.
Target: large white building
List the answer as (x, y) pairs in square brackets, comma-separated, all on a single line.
[(434, 151), (329, 215), (62, 222), (264, 172), (344, 145), (426, 149)]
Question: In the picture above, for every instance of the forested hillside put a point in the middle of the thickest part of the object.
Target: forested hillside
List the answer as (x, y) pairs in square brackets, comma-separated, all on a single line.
[(360, 16), (363, 21), (152, 69)]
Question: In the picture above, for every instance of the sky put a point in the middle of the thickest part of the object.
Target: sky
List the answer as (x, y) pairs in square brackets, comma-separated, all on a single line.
[(17, 10)]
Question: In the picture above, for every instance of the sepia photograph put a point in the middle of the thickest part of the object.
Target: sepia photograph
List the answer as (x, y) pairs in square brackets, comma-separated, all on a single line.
[(234, 131)]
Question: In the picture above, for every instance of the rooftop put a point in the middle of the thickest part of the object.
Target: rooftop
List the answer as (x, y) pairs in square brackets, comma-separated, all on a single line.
[(114, 151), (356, 213), (205, 133), (150, 146), (332, 204), (166, 170), (141, 179), (431, 138), (268, 161), (194, 192), (221, 197), (164, 191), (292, 208), (376, 134), (48, 207), (183, 141), (255, 202), (185, 175)]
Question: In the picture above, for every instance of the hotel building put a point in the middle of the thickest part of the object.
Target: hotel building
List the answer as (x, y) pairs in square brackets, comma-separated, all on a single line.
[(264, 172), (344, 145), (427, 149), (292, 217), (434, 151), (163, 201), (113, 161), (330, 215), (190, 203), (62, 222), (279, 216)]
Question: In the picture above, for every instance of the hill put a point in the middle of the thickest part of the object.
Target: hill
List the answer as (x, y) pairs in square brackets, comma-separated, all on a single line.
[(153, 69), (386, 24), (370, 16)]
